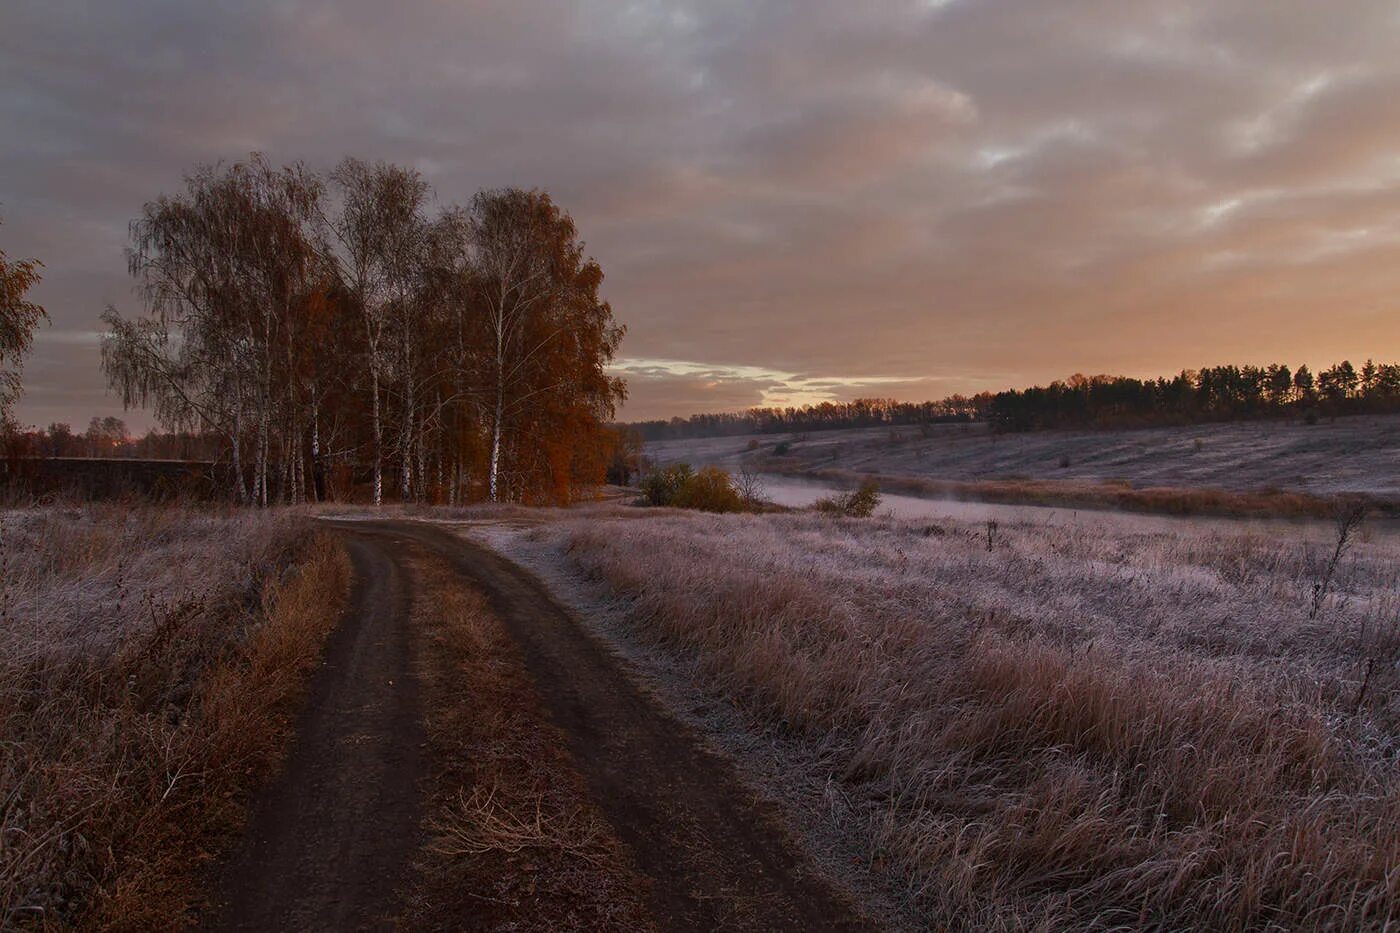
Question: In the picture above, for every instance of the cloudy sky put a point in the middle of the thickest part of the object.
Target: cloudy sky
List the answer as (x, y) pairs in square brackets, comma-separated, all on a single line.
[(791, 200)]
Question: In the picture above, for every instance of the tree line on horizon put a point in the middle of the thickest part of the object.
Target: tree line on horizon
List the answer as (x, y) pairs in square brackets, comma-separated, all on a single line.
[(857, 413), (314, 322), (109, 437), (1212, 393)]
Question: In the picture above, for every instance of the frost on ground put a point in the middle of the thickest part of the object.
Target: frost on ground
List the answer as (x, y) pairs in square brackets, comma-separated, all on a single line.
[(1356, 454), (1037, 726), (148, 659)]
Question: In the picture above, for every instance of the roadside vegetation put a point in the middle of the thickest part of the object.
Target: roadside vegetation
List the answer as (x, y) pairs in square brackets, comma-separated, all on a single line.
[(149, 661), (1037, 727)]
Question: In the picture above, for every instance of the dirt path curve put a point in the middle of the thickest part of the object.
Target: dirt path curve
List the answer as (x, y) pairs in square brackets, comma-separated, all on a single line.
[(718, 859), (327, 845)]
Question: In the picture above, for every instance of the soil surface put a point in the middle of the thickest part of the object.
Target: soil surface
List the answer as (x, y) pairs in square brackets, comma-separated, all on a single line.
[(327, 844), (330, 844)]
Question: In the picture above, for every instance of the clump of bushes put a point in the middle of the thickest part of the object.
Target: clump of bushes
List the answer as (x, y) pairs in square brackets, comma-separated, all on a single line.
[(709, 489), (663, 486), (859, 503)]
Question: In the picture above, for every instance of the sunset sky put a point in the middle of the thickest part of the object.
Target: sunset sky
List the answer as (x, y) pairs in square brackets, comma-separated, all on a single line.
[(791, 200)]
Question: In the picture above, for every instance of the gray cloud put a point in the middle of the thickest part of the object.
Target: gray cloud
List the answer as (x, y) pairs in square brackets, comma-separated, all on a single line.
[(951, 196)]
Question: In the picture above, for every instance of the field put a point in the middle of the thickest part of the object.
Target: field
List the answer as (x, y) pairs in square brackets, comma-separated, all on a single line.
[(1358, 454), (611, 717), (1084, 728)]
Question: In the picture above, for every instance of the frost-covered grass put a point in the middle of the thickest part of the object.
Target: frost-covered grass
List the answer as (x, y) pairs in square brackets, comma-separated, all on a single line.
[(1357, 454), (1080, 727), (146, 657)]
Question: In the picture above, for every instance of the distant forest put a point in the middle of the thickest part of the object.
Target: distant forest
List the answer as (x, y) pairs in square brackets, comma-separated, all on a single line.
[(1213, 393)]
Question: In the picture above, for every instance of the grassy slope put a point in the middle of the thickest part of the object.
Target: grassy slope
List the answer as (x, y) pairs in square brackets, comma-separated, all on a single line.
[(1076, 728), (1357, 454)]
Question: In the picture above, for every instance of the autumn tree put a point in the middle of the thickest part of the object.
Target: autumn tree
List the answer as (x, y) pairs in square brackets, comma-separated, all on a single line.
[(18, 319), (547, 338)]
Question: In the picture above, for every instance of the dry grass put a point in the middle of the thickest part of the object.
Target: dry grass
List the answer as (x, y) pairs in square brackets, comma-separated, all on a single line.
[(1080, 728), (515, 841), (149, 659), (481, 823), (1353, 455)]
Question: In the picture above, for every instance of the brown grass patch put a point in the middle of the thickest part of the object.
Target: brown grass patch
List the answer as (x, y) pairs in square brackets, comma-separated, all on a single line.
[(149, 664), (516, 843)]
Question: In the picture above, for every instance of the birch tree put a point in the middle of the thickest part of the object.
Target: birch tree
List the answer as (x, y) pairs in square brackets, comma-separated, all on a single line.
[(378, 225), (340, 322), (547, 338)]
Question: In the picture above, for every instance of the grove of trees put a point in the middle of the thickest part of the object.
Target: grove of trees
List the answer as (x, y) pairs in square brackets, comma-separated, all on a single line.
[(340, 323)]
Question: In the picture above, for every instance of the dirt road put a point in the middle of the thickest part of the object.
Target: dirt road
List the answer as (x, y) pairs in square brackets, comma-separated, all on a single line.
[(329, 845)]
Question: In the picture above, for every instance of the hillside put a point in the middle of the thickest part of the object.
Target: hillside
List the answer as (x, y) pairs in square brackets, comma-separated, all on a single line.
[(1359, 454)]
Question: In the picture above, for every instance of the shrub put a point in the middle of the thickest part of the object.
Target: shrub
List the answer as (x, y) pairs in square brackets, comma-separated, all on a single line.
[(710, 490), (781, 448), (859, 503), (663, 486)]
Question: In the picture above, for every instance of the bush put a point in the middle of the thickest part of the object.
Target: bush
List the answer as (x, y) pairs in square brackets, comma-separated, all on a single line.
[(710, 490), (662, 487), (858, 504), (781, 448)]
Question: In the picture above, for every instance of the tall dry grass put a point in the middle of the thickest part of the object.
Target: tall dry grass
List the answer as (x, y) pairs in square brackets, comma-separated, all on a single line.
[(148, 660), (1080, 728)]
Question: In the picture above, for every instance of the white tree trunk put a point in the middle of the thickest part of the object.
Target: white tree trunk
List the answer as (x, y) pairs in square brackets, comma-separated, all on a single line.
[(496, 445), (378, 436)]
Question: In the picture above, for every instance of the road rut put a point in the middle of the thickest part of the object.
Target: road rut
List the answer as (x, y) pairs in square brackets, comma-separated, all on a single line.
[(328, 844)]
